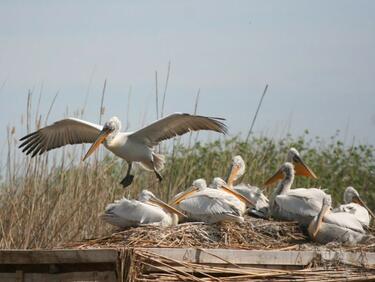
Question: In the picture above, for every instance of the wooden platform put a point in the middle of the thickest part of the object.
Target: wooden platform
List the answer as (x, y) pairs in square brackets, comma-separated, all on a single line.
[(121, 265)]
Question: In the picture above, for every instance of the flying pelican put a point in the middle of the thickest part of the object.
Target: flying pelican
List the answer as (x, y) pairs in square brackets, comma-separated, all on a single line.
[(209, 205), (340, 227), (131, 146), (299, 204), (356, 206), (147, 210), (300, 168), (252, 193), (240, 202)]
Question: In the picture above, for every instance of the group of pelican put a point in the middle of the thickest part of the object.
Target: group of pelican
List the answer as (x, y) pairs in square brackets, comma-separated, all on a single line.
[(222, 200)]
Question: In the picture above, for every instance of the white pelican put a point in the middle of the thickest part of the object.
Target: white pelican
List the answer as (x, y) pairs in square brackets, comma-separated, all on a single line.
[(299, 204), (130, 146), (252, 193), (147, 210), (240, 202), (300, 168), (356, 206), (209, 205), (340, 227)]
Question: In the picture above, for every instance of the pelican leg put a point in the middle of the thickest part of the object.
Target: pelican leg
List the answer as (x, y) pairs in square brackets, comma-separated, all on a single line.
[(128, 178), (158, 174)]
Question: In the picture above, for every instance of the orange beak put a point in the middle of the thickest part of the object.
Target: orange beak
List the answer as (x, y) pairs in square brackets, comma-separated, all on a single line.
[(302, 169), (274, 178), (101, 138), (185, 195), (233, 174), (237, 195), (325, 209), (166, 206)]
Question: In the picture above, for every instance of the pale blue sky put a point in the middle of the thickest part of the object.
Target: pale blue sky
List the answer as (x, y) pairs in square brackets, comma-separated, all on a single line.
[(317, 56)]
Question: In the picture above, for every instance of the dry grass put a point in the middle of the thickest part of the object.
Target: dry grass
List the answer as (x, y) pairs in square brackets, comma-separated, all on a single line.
[(55, 198)]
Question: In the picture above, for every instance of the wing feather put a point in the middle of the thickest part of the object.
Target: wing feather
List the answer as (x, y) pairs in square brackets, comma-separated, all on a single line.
[(177, 124), (207, 203), (61, 133), (126, 212)]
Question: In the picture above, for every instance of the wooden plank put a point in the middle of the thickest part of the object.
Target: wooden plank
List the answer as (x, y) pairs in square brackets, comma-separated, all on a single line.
[(254, 257), (58, 256)]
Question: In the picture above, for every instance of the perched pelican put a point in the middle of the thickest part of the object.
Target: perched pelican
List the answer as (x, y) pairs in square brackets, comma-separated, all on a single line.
[(209, 205), (147, 210), (340, 227), (130, 146), (299, 204), (241, 202), (356, 206), (300, 168), (252, 193)]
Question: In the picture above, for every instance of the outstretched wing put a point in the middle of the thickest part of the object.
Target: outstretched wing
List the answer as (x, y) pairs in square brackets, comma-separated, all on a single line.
[(61, 133), (177, 124)]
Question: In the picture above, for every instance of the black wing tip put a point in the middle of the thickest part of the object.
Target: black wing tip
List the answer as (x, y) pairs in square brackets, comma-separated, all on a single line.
[(28, 135)]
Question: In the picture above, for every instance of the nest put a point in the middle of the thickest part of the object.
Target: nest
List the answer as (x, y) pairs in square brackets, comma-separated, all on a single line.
[(252, 234), (138, 263)]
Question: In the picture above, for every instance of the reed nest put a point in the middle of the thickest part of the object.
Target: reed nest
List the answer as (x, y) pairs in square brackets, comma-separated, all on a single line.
[(252, 234)]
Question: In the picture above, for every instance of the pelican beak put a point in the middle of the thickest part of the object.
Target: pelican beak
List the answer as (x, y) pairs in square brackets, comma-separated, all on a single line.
[(358, 200), (233, 174), (237, 195), (302, 169), (101, 138), (184, 195), (325, 209), (167, 207), (277, 176)]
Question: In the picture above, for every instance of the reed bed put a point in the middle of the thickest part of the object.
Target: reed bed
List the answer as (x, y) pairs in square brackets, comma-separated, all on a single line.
[(55, 198)]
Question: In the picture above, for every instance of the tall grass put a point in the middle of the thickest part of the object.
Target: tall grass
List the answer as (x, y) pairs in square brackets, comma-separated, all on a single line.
[(56, 198)]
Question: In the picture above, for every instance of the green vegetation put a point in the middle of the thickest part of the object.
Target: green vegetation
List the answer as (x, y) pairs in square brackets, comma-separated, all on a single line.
[(56, 198)]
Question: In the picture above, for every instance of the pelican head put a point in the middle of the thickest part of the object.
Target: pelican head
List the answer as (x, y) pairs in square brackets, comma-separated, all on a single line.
[(285, 171), (351, 195), (111, 127), (198, 185), (300, 167), (147, 196), (218, 183), (237, 169)]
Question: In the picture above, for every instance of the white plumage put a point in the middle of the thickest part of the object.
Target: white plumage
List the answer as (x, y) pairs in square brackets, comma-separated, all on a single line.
[(354, 205), (252, 193), (130, 146), (340, 227), (208, 205), (300, 204), (145, 210)]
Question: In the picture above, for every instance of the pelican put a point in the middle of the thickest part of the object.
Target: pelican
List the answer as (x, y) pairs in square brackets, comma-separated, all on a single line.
[(299, 204), (252, 193), (131, 146), (340, 227), (240, 202), (209, 205), (147, 210), (300, 168), (356, 206)]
